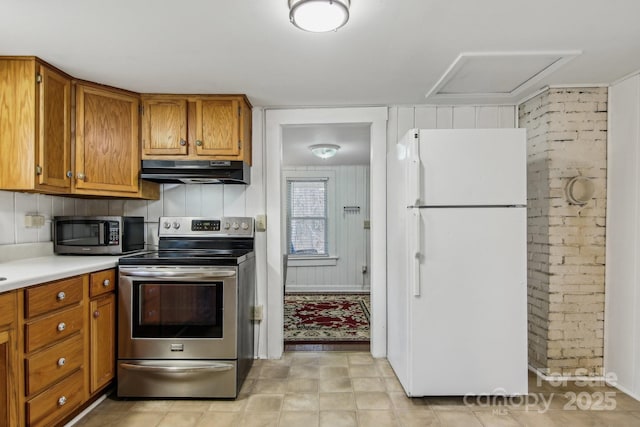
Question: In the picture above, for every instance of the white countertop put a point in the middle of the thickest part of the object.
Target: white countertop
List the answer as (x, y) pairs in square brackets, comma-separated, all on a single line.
[(32, 271)]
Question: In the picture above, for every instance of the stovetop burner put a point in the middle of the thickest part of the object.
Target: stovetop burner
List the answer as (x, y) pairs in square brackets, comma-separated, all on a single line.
[(199, 241)]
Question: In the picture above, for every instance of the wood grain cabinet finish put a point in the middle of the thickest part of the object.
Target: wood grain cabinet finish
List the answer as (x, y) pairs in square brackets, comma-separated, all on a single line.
[(102, 282), (48, 329), (57, 402), (107, 155), (9, 359), (35, 126), (206, 127), (103, 341), (48, 297), (48, 366)]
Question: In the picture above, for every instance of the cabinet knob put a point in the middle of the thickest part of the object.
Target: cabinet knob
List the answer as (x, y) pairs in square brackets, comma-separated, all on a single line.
[(183, 142), (96, 314), (69, 174), (62, 400), (199, 143), (106, 283), (38, 170), (62, 361), (81, 176), (61, 296), (62, 326)]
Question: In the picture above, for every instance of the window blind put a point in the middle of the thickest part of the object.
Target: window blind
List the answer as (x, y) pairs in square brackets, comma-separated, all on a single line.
[(307, 216)]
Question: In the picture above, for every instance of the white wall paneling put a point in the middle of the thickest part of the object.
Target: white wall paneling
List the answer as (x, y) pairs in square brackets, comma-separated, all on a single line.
[(350, 237), (622, 296)]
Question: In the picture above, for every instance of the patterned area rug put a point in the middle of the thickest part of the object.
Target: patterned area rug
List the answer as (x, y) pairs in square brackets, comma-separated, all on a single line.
[(326, 317)]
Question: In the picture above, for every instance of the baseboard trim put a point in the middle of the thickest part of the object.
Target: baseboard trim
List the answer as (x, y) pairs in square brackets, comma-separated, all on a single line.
[(331, 289)]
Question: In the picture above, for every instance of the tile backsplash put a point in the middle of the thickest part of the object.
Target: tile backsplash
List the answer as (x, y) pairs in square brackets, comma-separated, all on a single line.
[(175, 200)]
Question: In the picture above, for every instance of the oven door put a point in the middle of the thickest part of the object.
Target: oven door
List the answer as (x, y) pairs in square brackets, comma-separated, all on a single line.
[(177, 313)]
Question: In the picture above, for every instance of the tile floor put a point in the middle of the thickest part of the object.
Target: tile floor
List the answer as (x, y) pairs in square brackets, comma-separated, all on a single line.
[(336, 389)]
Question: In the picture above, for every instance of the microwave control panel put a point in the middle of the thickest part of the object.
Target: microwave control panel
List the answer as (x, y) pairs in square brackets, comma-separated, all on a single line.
[(114, 233)]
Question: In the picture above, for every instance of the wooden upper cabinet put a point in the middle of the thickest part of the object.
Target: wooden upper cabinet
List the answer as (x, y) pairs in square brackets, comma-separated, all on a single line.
[(35, 126), (107, 159), (164, 129), (206, 127)]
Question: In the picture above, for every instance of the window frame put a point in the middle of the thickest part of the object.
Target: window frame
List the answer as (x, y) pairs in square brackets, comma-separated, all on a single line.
[(308, 260)]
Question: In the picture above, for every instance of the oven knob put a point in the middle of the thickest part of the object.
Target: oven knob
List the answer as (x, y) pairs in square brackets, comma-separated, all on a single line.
[(244, 226), (227, 226), (176, 225), (235, 226), (166, 225)]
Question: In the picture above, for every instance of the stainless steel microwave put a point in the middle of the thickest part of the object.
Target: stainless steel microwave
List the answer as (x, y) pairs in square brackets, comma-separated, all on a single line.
[(98, 235)]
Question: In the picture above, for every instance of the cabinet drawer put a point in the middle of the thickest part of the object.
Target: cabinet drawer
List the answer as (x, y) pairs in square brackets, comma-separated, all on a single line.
[(52, 328), (50, 365), (102, 282), (8, 303), (52, 296), (56, 402)]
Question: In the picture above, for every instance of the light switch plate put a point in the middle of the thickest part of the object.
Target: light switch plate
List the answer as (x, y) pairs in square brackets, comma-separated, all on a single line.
[(261, 223)]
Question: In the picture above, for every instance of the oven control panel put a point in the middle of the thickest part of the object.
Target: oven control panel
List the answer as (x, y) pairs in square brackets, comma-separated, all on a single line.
[(204, 226)]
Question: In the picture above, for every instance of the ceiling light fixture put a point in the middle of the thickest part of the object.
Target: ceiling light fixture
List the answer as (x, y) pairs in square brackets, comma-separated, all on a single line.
[(319, 16), (324, 151)]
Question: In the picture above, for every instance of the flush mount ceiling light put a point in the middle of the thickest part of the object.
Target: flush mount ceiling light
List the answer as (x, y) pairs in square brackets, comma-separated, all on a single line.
[(319, 16), (324, 151)]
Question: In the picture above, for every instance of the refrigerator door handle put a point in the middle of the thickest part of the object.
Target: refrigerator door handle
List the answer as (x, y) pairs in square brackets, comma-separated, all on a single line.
[(415, 253), (414, 173)]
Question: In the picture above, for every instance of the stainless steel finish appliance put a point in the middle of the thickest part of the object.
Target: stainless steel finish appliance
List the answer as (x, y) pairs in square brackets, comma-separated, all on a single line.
[(184, 311), (98, 235), (197, 171)]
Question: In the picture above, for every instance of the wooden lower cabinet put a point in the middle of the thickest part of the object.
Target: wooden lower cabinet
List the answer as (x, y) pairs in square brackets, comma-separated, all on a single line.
[(57, 402), (9, 396), (103, 341), (67, 351)]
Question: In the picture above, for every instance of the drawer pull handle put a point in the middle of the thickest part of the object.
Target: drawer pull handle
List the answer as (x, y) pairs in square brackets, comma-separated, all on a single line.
[(106, 283), (96, 314), (62, 401), (61, 296), (62, 361), (62, 326)]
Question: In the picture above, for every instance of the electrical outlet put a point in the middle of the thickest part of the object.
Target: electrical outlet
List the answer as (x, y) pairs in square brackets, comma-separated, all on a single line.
[(261, 223), (256, 313), (33, 221)]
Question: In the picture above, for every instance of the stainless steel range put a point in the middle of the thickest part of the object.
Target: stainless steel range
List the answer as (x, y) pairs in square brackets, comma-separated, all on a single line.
[(184, 324)]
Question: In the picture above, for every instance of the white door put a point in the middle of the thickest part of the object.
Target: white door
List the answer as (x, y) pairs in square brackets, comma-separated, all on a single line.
[(480, 167), (468, 319)]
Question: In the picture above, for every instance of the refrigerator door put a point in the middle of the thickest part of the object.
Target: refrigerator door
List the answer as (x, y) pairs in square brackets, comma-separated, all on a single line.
[(468, 321), (466, 167)]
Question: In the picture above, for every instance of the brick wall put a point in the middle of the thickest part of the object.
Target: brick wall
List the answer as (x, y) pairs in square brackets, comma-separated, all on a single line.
[(567, 133)]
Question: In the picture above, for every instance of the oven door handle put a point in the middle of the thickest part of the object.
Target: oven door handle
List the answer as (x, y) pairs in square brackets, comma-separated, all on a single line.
[(178, 274), (215, 367)]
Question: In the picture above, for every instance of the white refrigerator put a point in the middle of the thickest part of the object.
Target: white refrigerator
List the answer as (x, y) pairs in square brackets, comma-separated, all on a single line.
[(457, 262)]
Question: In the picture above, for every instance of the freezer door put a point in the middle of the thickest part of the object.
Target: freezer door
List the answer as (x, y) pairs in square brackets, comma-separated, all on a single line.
[(462, 167), (468, 323)]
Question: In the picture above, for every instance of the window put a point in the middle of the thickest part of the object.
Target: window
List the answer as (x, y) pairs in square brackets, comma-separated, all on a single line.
[(307, 227)]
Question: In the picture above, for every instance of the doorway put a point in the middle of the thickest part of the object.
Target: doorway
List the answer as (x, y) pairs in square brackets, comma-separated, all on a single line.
[(276, 121), (325, 214)]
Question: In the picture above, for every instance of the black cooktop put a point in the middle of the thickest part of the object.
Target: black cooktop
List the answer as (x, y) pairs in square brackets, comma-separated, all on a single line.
[(189, 257)]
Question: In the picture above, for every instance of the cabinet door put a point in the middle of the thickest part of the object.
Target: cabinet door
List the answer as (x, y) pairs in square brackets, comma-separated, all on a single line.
[(8, 361), (54, 134), (217, 127), (107, 148), (103, 347), (164, 129)]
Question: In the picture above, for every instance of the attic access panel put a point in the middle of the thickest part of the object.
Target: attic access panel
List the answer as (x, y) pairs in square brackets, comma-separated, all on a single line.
[(496, 75)]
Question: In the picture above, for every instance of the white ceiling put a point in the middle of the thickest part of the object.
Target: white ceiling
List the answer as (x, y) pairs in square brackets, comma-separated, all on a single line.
[(354, 140), (390, 52)]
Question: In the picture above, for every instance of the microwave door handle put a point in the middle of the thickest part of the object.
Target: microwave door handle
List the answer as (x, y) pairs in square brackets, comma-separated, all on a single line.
[(179, 275), (102, 232)]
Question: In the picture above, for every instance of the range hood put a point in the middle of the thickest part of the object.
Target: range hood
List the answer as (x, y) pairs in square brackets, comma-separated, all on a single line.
[(196, 171)]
